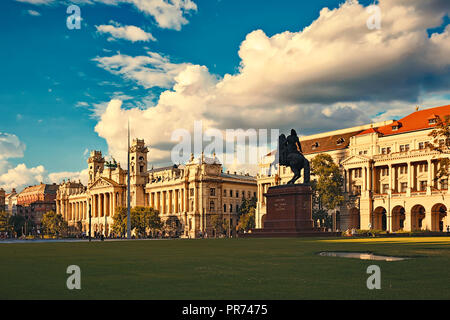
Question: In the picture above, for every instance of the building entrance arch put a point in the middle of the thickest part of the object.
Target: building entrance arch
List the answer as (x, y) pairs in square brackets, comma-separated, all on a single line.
[(417, 216), (398, 218), (438, 214)]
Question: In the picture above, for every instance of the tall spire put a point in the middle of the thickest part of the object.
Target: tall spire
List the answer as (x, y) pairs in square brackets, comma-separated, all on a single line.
[(128, 185)]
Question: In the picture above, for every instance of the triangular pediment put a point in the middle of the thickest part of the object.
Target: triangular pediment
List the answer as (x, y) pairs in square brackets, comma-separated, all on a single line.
[(355, 159), (102, 182)]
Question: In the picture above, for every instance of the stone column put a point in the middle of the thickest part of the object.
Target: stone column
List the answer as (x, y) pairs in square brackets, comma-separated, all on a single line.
[(97, 205), (195, 198), (170, 202), (429, 181), (104, 204), (364, 183)]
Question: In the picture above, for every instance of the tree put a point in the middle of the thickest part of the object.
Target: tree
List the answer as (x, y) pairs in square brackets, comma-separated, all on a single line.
[(217, 223), (17, 223), (5, 225), (246, 214), (171, 226), (247, 220), (54, 224), (154, 221), (327, 187), (246, 206), (119, 226), (142, 218), (138, 220), (441, 143)]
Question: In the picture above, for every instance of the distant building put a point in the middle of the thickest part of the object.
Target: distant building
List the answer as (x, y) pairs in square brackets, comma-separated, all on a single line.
[(2, 200), (11, 202), (190, 195), (195, 192), (34, 201), (390, 174)]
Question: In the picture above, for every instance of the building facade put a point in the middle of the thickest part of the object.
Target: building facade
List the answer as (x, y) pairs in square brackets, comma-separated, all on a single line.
[(11, 202), (390, 174), (194, 193), (34, 201), (190, 195), (2, 200)]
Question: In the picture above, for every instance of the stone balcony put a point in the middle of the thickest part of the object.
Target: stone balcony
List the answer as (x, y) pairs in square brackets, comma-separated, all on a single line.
[(405, 154)]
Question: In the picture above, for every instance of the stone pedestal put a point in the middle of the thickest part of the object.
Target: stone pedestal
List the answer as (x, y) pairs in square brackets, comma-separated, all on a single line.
[(289, 208), (289, 213)]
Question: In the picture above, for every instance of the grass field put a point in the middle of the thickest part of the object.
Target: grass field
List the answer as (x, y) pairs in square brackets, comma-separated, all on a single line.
[(225, 269)]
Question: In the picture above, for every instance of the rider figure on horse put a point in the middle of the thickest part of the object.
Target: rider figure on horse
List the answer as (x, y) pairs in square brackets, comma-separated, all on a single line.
[(290, 154)]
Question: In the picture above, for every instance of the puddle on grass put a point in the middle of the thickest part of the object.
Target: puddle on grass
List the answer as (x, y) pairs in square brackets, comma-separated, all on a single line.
[(360, 255)]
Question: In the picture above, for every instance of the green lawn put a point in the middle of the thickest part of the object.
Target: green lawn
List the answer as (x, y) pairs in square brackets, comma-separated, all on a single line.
[(225, 269)]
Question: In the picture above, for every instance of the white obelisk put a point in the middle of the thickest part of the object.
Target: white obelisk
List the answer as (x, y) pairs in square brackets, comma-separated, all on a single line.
[(128, 186)]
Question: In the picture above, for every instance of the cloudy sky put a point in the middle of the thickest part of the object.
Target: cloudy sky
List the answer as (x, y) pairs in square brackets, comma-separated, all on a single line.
[(309, 65)]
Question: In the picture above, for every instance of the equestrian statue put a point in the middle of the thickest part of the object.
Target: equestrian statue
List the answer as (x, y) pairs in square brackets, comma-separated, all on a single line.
[(290, 155)]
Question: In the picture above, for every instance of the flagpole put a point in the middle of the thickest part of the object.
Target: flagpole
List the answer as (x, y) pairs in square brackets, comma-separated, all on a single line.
[(128, 186)]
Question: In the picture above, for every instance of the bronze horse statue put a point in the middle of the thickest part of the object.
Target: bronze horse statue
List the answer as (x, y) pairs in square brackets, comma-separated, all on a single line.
[(290, 155)]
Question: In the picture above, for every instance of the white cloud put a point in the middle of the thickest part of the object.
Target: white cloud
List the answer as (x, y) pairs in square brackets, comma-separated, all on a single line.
[(333, 74), (168, 14), (37, 2), (58, 177), (149, 71), (10, 146), (33, 13), (21, 176), (131, 33)]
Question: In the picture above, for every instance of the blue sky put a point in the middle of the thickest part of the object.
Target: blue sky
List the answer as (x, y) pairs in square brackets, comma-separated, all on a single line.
[(51, 83), (49, 68)]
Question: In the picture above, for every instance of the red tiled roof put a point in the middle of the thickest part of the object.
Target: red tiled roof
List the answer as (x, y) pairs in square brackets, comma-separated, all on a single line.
[(371, 130), (327, 143), (415, 121)]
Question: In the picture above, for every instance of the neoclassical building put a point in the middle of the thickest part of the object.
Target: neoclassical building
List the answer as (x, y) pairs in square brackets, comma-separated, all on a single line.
[(189, 194), (195, 192), (106, 190), (390, 174)]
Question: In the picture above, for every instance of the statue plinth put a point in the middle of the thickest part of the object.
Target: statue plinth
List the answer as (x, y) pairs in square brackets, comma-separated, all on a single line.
[(289, 213), (289, 208)]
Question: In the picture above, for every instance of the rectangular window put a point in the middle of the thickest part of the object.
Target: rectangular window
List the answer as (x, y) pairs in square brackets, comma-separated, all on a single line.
[(403, 186), (224, 192), (444, 184), (191, 192), (211, 206), (357, 190), (231, 193), (421, 145), (423, 186), (212, 192), (385, 188), (237, 194)]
